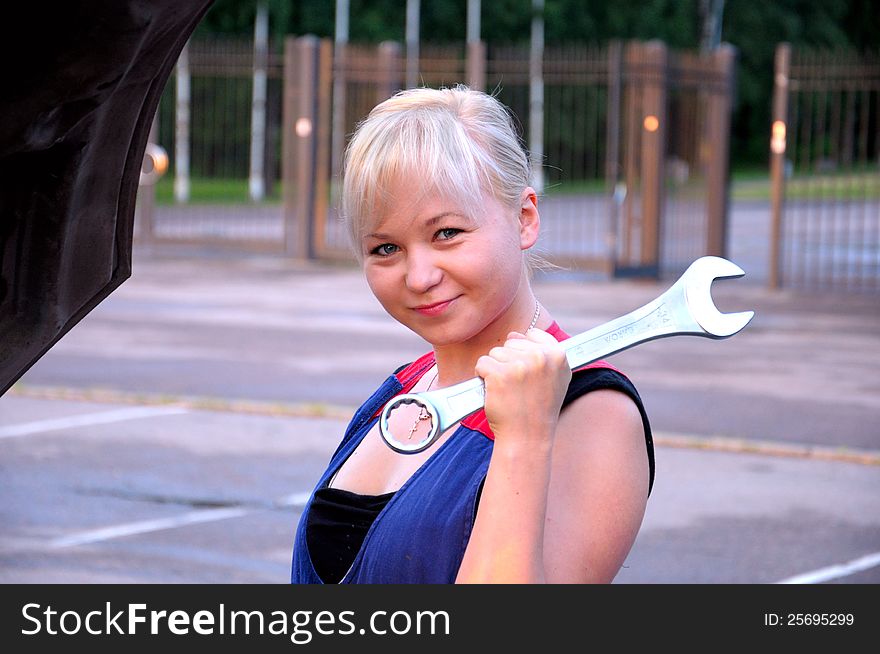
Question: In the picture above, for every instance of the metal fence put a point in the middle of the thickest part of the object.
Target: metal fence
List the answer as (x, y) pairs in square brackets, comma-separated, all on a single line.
[(825, 153), (216, 134), (622, 194)]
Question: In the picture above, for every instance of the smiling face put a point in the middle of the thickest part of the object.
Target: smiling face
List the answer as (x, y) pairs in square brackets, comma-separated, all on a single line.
[(448, 273), (436, 198)]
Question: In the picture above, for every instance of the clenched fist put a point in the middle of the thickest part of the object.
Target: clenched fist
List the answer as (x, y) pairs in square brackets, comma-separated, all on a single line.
[(525, 380)]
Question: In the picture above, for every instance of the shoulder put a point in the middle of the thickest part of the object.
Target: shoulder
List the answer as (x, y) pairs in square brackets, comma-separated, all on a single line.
[(601, 399), (599, 486), (605, 416)]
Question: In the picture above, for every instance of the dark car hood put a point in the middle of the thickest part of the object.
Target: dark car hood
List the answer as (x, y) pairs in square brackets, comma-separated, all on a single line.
[(81, 84)]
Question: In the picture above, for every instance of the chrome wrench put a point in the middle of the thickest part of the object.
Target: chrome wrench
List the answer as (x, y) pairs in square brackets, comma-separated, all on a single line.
[(685, 308)]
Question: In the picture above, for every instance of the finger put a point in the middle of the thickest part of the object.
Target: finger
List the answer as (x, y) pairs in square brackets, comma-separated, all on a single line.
[(487, 366), (540, 336), (520, 344), (499, 353)]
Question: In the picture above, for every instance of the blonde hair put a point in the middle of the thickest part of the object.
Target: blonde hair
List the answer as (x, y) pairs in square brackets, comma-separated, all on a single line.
[(453, 141)]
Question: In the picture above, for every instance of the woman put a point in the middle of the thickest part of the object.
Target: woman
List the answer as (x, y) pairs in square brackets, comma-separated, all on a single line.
[(549, 482)]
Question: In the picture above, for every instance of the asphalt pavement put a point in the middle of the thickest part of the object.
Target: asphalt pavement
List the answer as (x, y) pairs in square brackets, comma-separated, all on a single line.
[(174, 434)]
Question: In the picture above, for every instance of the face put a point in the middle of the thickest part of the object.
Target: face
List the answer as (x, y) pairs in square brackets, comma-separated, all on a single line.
[(444, 272)]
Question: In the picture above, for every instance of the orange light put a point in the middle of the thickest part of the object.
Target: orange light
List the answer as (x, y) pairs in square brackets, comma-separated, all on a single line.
[(778, 129), (651, 123), (777, 137)]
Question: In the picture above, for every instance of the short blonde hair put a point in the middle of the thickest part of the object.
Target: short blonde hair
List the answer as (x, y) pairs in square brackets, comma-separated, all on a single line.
[(453, 141)]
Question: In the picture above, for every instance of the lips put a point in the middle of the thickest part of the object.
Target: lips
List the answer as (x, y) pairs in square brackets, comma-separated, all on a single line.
[(434, 309)]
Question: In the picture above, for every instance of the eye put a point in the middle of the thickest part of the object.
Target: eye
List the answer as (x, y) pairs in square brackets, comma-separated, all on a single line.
[(384, 250), (446, 233)]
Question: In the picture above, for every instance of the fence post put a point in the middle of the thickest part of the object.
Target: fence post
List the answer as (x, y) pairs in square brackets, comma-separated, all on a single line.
[(777, 157), (655, 59), (323, 144), (717, 148), (299, 144)]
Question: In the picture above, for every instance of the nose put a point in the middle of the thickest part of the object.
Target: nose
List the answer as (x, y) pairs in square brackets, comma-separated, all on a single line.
[(422, 272)]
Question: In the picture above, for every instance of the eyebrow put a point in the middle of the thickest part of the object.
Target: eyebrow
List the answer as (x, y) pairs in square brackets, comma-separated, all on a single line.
[(430, 222)]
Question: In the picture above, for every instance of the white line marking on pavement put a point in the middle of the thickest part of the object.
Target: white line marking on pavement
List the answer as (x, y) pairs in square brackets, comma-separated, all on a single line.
[(87, 419), (835, 571), (295, 499), (146, 526), (132, 528)]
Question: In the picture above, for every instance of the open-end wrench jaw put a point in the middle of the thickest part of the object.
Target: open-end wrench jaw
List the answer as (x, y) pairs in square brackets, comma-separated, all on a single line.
[(686, 308), (697, 281)]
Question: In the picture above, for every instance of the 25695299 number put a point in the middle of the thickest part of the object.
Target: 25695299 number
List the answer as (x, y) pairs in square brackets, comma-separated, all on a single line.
[(809, 619)]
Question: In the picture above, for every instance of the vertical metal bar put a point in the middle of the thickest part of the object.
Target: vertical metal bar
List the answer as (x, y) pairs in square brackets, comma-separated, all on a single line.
[(816, 213), (822, 170), (632, 136), (182, 127), (231, 123), (476, 48), (612, 149), (786, 252), (849, 125), (835, 135), (476, 65), (288, 149), (777, 157), (590, 128), (875, 240), (340, 71), (813, 211), (806, 130), (833, 218), (536, 96), (256, 179), (799, 255), (413, 8), (862, 160), (862, 154), (387, 75), (718, 174)]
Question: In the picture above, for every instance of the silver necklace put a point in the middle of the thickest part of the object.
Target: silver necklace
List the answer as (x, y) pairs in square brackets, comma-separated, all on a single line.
[(423, 415), (535, 317)]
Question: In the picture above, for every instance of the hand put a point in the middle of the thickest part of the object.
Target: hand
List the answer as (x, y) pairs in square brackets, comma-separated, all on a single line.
[(526, 380)]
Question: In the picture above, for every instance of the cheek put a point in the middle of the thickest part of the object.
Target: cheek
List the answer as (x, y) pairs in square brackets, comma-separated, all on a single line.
[(384, 286)]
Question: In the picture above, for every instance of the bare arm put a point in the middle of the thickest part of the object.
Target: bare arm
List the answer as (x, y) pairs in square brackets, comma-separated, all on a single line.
[(598, 490), (565, 494)]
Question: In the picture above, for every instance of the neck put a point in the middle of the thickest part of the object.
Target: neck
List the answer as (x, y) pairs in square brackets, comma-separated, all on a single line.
[(456, 362)]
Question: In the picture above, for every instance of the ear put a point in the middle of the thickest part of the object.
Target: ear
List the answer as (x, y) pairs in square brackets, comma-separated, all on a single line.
[(529, 219)]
